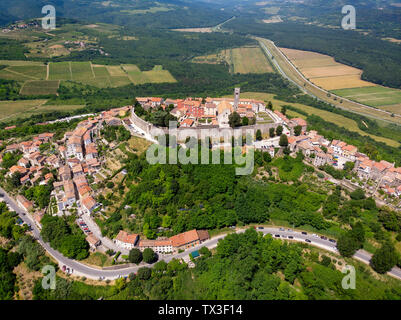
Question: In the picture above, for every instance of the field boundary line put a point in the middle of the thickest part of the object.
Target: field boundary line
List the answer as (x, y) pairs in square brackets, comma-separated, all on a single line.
[(69, 64), (48, 71), (94, 77)]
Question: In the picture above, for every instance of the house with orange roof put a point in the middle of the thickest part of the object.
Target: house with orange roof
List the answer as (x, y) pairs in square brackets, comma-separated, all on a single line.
[(15, 169), (349, 152), (89, 204), (298, 122), (24, 179), (93, 242), (160, 245), (364, 169), (186, 240), (13, 147), (187, 123), (125, 240), (84, 191), (378, 170), (23, 162)]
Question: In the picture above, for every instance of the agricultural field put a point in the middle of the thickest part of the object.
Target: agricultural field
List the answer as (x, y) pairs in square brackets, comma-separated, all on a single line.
[(324, 71), (381, 97), (326, 115), (40, 87), (10, 110), (101, 76), (156, 75), (241, 60)]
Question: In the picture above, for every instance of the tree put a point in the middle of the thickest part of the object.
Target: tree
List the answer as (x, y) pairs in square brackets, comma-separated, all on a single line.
[(297, 130), (284, 109), (259, 135), (144, 273), (279, 130), (135, 256), (349, 166), (283, 141), (347, 245), (234, 120), (358, 194), (245, 121), (204, 251), (149, 256), (271, 132), (384, 258), (270, 105)]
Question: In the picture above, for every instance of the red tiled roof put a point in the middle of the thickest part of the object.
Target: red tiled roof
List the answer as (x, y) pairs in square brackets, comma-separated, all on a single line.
[(184, 238)]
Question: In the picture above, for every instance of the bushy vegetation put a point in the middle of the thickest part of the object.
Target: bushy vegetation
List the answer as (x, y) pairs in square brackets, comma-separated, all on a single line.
[(63, 237), (245, 266)]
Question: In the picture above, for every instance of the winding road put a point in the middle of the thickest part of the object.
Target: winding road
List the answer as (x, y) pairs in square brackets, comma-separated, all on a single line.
[(118, 271)]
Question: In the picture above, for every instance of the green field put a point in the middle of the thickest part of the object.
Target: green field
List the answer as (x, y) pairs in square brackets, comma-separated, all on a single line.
[(100, 76), (156, 75), (60, 71), (40, 87), (10, 110), (380, 97)]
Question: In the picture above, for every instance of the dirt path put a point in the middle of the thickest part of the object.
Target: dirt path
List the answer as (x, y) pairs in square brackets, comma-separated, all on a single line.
[(94, 77)]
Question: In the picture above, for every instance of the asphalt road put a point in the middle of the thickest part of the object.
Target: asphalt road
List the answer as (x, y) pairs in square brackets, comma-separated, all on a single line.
[(80, 269)]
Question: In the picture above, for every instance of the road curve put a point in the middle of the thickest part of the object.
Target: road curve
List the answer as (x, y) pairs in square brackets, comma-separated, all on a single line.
[(83, 270)]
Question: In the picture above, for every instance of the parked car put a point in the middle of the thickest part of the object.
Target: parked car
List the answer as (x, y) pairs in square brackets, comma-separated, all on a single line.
[(289, 230), (63, 268), (323, 238), (290, 237), (307, 240), (303, 232), (282, 229), (277, 235), (260, 228), (332, 240)]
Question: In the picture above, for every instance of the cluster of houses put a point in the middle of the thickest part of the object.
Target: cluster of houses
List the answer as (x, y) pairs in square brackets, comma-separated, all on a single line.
[(20, 26), (32, 163), (193, 112), (164, 245), (74, 157), (320, 151)]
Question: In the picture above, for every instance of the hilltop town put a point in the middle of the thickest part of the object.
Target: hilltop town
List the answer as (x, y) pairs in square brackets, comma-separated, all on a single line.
[(72, 164)]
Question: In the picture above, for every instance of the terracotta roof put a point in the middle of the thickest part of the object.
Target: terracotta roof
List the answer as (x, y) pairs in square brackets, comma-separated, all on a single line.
[(92, 239), (88, 202), (184, 238), (155, 243), (127, 238)]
